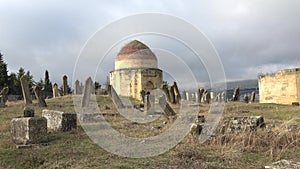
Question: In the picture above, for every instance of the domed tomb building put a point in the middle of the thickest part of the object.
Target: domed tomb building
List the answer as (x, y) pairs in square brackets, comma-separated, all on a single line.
[(135, 70)]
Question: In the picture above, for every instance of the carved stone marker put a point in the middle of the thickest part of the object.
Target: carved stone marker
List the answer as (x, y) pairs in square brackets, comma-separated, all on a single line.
[(176, 92), (246, 98), (164, 87), (143, 94), (29, 130), (3, 95), (88, 89), (172, 95), (200, 93), (252, 98), (223, 97), (183, 95), (206, 97), (65, 85), (39, 96), (77, 88), (55, 90), (167, 109), (236, 94), (25, 90), (60, 121), (28, 112)]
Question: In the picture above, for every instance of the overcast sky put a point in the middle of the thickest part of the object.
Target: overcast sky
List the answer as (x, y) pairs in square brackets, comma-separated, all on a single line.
[(251, 36)]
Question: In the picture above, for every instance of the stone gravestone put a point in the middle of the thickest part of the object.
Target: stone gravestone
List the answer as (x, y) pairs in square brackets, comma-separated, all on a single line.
[(200, 93), (177, 93), (223, 97), (29, 130), (164, 87), (88, 89), (25, 90), (252, 98), (39, 96), (167, 109), (65, 85), (206, 97), (183, 95), (55, 90), (172, 95), (246, 98), (28, 112), (218, 98), (77, 88), (3, 95), (143, 94), (236, 94)]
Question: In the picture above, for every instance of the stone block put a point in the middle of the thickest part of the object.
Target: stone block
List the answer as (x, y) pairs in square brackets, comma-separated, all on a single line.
[(29, 130), (60, 121), (28, 112)]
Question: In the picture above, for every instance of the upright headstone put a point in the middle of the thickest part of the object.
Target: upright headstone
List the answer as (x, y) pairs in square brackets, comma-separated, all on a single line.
[(3, 95), (28, 112), (236, 94), (65, 85), (143, 94), (218, 98), (246, 98), (55, 90), (200, 94), (176, 92), (164, 87), (207, 98), (187, 95), (77, 88), (183, 95), (39, 96), (167, 109), (223, 96), (172, 95), (25, 90), (252, 98), (88, 89), (212, 95)]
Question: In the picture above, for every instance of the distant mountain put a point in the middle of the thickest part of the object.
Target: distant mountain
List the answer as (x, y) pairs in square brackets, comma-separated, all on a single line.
[(243, 84)]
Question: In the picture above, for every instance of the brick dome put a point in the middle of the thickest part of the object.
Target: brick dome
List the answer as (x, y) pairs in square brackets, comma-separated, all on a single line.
[(135, 55)]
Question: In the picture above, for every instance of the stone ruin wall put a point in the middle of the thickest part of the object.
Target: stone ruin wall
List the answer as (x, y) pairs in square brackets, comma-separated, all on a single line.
[(282, 87)]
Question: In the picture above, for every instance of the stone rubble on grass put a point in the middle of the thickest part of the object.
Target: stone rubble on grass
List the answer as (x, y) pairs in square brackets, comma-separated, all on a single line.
[(284, 164), (239, 124), (60, 121)]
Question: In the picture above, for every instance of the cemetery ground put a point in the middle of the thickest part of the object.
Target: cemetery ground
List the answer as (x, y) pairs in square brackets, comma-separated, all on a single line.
[(74, 149)]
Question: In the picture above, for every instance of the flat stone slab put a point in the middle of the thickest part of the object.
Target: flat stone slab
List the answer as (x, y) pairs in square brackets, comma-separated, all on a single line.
[(60, 121), (29, 130)]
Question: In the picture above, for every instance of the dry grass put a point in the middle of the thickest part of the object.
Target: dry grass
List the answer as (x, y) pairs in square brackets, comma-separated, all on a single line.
[(75, 150)]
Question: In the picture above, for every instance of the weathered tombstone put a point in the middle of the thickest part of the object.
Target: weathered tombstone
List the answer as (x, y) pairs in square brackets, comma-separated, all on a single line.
[(252, 98), (3, 95), (88, 89), (39, 96), (65, 85), (183, 95), (218, 98), (164, 87), (55, 90), (212, 95), (25, 90), (200, 93), (187, 95), (246, 98), (60, 121), (223, 97), (148, 104), (115, 97), (172, 95), (236, 94), (29, 130), (207, 98), (177, 93), (167, 109), (28, 112), (143, 94), (77, 88), (193, 97)]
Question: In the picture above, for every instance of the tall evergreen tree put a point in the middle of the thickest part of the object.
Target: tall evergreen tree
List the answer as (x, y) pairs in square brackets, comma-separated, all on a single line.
[(3, 73), (48, 84)]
